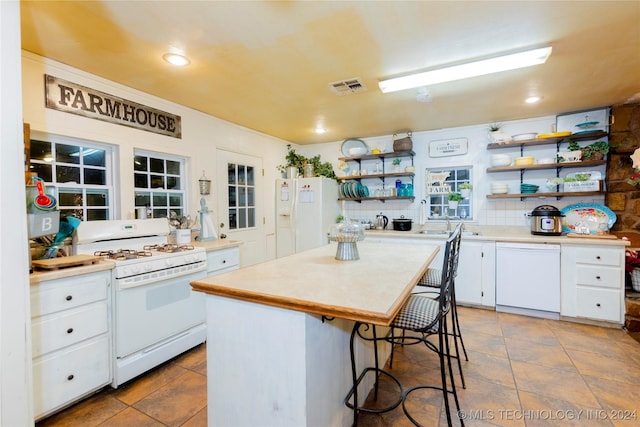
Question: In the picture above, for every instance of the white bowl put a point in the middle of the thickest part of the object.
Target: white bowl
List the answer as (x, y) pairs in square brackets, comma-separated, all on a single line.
[(500, 160), (357, 151), (546, 160), (523, 136)]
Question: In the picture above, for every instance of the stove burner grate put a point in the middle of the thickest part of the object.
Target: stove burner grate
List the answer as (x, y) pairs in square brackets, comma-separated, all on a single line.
[(169, 248), (123, 254)]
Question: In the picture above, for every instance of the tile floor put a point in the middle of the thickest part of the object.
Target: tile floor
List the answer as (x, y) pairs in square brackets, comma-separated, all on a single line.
[(522, 371)]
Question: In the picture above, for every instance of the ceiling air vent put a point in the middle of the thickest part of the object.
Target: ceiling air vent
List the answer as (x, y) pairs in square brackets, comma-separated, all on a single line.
[(348, 87)]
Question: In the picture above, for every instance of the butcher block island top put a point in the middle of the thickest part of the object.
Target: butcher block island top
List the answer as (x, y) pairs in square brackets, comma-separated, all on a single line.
[(371, 289)]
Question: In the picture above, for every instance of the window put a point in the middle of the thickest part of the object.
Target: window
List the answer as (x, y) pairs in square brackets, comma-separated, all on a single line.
[(159, 183), (81, 173), (439, 184), (241, 196)]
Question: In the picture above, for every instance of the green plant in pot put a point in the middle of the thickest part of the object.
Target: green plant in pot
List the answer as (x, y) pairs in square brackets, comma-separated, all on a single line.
[(454, 198), (465, 189), (595, 151), (298, 161)]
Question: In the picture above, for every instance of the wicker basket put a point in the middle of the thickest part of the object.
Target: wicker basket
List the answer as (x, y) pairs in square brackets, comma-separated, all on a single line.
[(403, 144), (635, 279)]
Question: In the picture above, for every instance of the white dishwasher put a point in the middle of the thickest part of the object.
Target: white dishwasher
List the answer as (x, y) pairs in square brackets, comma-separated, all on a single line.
[(528, 279)]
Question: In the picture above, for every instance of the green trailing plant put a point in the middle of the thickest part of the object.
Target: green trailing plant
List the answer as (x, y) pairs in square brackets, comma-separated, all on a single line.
[(455, 197), (597, 149), (396, 162), (465, 186), (298, 161)]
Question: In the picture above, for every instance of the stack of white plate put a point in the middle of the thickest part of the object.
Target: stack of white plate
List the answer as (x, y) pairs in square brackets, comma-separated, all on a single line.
[(499, 188)]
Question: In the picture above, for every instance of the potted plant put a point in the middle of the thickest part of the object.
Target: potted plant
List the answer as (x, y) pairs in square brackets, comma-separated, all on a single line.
[(396, 164), (454, 199), (496, 135), (298, 161), (465, 189), (595, 151)]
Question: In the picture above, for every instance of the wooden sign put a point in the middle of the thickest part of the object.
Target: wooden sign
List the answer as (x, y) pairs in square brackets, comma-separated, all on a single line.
[(72, 98), (448, 147)]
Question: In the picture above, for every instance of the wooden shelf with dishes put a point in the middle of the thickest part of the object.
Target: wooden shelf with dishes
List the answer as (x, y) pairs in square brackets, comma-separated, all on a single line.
[(382, 176), (556, 194), (560, 165), (546, 141)]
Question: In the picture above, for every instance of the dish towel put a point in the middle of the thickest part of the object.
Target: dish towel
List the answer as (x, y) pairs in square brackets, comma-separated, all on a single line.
[(423, 213)]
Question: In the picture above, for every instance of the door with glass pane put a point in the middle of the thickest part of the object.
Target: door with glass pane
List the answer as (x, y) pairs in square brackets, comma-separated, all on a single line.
[(240, 203)]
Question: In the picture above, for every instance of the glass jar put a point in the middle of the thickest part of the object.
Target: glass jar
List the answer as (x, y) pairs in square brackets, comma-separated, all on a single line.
[(307, 170)]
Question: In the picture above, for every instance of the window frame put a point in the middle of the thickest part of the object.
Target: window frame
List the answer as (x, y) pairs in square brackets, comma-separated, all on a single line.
[(434, 210), (182, 190), (61, 188)]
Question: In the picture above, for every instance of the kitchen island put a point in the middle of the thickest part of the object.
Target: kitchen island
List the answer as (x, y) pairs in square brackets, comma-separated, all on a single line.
[(278, 332)]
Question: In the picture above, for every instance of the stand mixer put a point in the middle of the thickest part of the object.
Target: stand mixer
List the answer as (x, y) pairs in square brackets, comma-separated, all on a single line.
[(207, 230)]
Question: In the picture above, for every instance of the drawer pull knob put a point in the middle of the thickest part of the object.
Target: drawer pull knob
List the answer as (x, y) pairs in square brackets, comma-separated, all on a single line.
[(598, 257), (70, 377), (70, 330), (224, 261), (598, 277), (69, 298), (597, 304)]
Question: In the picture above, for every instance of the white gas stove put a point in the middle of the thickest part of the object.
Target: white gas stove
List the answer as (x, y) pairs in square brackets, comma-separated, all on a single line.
[(156, 315)]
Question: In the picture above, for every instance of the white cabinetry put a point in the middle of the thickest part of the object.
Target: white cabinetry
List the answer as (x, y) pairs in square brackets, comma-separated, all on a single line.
[(475, 283), (223, 260), (593, 282), (70, 339)]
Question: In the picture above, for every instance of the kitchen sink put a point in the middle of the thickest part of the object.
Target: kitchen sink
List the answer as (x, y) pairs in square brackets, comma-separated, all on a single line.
[(446, 233)]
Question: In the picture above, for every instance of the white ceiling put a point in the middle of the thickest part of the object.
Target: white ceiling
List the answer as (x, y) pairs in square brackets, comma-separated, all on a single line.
[(268, 65)]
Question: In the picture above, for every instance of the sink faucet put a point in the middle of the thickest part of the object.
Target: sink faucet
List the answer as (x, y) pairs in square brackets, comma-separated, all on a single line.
[(448, 223)]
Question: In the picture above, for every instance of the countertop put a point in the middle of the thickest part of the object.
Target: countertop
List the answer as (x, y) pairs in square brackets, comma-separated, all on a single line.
[(498, 234), (371, 289), (218, 244), (39, 276)]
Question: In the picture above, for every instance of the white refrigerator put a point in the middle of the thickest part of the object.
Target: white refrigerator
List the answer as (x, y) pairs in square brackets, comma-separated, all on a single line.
[(306, 208)]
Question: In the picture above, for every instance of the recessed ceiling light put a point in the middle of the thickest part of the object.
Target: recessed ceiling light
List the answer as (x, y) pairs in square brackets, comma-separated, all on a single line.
[(176, 59), (320, 130), (532, 99)]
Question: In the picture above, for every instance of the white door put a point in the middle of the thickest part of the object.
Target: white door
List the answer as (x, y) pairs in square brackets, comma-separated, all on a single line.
[(239, 195)]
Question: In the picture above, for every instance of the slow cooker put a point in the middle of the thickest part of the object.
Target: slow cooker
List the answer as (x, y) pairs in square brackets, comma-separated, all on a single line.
[(546, 220)]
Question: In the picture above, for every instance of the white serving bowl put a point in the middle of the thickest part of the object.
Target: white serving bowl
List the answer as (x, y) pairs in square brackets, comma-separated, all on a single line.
[(546, 160), (523, 136), (357, 151), (500, 160)]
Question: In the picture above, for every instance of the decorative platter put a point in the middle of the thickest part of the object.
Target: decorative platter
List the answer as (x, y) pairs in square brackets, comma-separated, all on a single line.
[(352, 143), (587, 218)]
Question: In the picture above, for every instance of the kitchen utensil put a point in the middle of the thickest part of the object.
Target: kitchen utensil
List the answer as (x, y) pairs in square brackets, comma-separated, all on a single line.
[(45, 202), (402, 224), (546, 220), (553, 135), (381, 221), (593, 216), (524, 136), (68, 226)]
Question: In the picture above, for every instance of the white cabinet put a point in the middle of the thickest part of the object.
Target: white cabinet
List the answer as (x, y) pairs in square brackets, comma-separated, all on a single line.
[(475, 283), (70, 339), (592, 282), (223, 260)]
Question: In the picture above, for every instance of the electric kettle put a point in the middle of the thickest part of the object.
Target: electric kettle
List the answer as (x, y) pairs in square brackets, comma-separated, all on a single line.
[(381, 222)]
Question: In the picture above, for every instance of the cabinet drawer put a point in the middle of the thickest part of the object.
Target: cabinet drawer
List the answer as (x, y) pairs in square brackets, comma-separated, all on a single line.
[(67, 328), (56, 295), (608, 277), (599, 256), (225, 258), (65, 376), (600, 304)]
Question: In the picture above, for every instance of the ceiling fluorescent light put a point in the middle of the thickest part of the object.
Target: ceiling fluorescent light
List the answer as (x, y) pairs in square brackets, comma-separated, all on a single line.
[(471, 69)]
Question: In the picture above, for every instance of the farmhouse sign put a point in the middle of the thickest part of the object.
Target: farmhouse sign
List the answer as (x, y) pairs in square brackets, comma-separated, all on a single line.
[(72, 98)]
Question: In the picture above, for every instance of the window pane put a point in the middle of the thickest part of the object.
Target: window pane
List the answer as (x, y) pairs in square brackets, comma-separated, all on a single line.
[(241, 175), (175, 200), (231, 173), (173, 167), (250, 196), (156, 165), (251, 217), (232, 196), (97, 214), (67, 174), (242, 218), (97, 198), (160, 213), (95, 176), (159, 199), (43, 171), (233, 224), (140, 163), (157, 181), (173, 183), (67, 153), (40, 150), (140, 181), (93, 157), (250, 178), (143, 199), (69, 197), (243, 196)]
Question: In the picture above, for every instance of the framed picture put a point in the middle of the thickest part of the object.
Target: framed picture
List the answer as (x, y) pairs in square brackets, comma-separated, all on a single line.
[(448, 147)]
